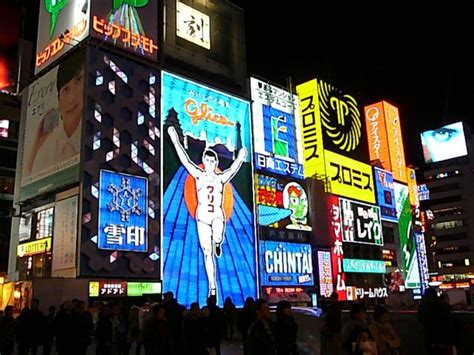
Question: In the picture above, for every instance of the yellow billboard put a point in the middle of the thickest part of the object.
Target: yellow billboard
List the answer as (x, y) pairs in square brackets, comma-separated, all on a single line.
[(311, 128), (349, 178), (32, 248), (412, 187)]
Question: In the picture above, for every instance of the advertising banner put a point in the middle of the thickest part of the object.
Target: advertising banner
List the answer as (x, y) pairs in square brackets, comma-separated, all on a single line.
[(377, 134), (208, 217), (51, 148), (282, 203), (277, 130), (395, 139), (62, 25), (364, 266), (336, 229), (65, 234), (444, 143), (127, 24), (285, 264), (350, 178), (325, 273), (385, 195)]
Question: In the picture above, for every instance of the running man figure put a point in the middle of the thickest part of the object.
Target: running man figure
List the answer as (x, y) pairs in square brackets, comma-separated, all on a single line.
[(210, 214)]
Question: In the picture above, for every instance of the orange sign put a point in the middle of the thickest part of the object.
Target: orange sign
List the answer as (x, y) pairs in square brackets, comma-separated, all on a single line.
[(395, 142), (412, 187), (377, 134)]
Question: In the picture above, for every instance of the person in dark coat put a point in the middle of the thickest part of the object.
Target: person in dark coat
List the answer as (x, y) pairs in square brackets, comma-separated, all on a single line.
[(7, 332), (85, 327), (217, 320), (49, 331), (286, 330), (332, 327), (261, 337), (32, 324), (357, 330), (157, 338), (438, 327), (247, 317), (106, 332), (229, 312), (194, 331), (65, 328), (174, 315)]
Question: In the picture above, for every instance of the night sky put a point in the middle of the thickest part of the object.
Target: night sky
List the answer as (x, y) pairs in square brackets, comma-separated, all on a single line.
[(420, 60)]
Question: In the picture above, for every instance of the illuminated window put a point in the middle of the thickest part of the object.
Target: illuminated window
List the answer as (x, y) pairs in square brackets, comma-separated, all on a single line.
[(4, 128), (44, 223), (448, 224), (445, 175)]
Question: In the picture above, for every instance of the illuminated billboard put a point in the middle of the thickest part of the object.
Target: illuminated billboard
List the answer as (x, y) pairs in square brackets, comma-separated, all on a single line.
[(121, 197), (208, 220), (412, 187), (39, 246), (349, 178), (385, 138), (62, 25), (127, 24), (335, 230), (444, 143), (407, 239), (311, 130), (277, 130), (325, 273), (282, 203), (123, 204), (52, 142), (341, 121), (193, 25), (361, 223), (285, 264), (364, 266), (385, 195), (122, 288)]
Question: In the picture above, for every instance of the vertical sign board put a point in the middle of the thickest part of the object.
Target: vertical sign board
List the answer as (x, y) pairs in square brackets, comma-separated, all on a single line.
[(313, 151), (395, 139), (377, 134), (407, 238), (336, 229), (123, 208), (209, 236), (277, 130), (285, 264), (62, 25), (412, 187), (193, 25), (65, 234), (325, 273), (128, 24), (385, 195)]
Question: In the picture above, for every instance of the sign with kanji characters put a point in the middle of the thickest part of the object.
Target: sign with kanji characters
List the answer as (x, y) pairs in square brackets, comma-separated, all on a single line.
[(335, 230), (276, 130), (385, 195), (282, 203), (349, 178), (325, 273), (127, 24), (361, 223), (311, 128), (193, 25), (364, 266), (358, 293), (123, 206)]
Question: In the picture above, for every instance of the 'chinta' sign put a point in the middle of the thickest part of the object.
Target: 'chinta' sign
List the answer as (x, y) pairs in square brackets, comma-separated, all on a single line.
[(282, 203), (123, 207), (276, 128), (349, 177), (361, 223)]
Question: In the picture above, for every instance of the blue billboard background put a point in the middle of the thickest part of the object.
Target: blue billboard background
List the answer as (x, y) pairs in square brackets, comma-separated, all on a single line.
[(123, 201), (205, 119), (386, 195), (285, 264)]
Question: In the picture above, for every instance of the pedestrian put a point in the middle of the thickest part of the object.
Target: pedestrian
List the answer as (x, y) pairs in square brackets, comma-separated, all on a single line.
[(261, 334), (332, 326), (217, 318), (134, 329), (49, 331), (85, 327), (194, 331), (106, 332), (229, 312), (286, 330), (64, 326), (174, 315), (435, 316), (247, 317), (387, 340), (7, 331), (32, 325), (356, 336), (157, 337)]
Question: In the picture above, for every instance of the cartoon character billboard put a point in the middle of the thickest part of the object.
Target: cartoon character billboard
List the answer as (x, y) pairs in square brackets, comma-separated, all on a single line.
[(209, 234)]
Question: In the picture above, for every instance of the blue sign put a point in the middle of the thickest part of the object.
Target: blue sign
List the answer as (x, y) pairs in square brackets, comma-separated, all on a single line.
[(123, 212), (364, 266), (385, 195), (285, 264)]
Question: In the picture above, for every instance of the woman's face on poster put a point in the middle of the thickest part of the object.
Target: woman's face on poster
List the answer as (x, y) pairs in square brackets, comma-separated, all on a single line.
[(71, 98)]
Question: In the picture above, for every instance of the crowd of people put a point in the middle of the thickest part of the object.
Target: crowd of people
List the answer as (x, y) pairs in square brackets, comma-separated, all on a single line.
[(166, 327)]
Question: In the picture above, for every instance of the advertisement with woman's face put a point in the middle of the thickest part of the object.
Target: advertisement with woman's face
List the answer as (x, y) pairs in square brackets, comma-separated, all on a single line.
[(52, 141), (444, 143)]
